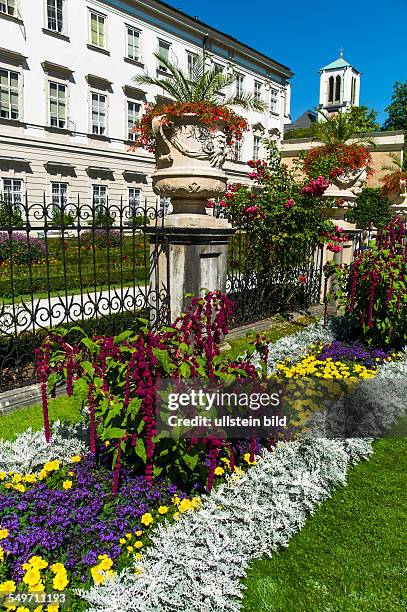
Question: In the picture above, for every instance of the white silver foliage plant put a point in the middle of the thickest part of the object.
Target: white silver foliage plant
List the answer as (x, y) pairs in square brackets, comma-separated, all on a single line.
[(30, 450), (196, 564)]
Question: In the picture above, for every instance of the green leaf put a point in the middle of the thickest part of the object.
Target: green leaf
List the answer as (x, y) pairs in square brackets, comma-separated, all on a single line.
[(141, 450), (123, 336)]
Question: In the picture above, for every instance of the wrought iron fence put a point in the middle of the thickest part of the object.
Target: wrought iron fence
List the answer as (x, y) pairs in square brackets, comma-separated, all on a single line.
[(75, 264), (277, 279)]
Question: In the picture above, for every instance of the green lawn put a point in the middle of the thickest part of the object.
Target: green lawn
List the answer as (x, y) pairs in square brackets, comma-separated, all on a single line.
[(351, 555), (62, 408)]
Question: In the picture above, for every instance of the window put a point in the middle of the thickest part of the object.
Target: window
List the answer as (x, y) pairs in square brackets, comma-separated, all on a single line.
[(9, 94), (257, 90), (192, 62), (97, 30), (237, 150), (13, 193), (164, 204), (353, 92), (133, 44), (273, 100), (99, 198), (239, 84), (55, 15), (164, 51), (135, 202), (8, 7), (98, 114), (57, 105), (331, 90), (338, 89), (59, 193), (133, 113), (256, 148)]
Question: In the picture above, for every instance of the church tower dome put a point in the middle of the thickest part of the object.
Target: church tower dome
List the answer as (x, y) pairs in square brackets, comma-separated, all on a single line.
[(339, 87)]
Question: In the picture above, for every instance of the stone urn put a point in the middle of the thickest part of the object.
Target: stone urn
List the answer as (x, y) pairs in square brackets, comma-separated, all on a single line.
[(189, 162), (347, 186), (399, 200)]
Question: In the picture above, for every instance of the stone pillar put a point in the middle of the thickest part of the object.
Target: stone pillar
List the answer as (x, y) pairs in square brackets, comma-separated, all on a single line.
[(192, 258)]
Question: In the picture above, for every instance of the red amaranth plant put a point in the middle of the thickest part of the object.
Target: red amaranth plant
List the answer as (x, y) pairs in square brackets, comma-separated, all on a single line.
[(117, 377)]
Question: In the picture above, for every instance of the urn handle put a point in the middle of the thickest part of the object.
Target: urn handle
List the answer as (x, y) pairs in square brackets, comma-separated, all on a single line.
[(162, 140)]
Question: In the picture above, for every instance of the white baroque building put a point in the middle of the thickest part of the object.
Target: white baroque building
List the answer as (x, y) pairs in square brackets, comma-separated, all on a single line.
[(68, 100)]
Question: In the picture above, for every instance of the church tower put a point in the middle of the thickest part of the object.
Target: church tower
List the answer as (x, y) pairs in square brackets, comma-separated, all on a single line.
[(339, 87)]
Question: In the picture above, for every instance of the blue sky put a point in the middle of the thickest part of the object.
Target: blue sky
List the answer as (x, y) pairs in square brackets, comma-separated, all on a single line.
[(306, 35)]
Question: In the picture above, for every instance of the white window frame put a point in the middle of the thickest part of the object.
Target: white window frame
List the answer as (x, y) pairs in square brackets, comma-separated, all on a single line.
[(63, 16), (134, 30), (258, 90), (10, 90), (100, 94), (256, 147), (191, 65), (131, 135), (57, 202), (99, 187), (58, 84), (165, 44), (10, 8), (99, 16), (17, 204), (239, 84), (274, 100), (237, 150), (134, 202)]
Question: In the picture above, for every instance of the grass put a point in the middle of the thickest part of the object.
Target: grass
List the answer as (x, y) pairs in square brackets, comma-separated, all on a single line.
[(351, 555), (279, 327), (62, 408)]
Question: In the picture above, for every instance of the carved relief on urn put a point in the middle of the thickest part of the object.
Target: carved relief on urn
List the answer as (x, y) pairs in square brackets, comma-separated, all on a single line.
[(347, 186), (189, 158)]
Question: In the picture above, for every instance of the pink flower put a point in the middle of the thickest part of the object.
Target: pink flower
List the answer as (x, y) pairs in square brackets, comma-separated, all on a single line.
[(222, 203), (335, 248), (290, 203), (250, 210), (303, 279)]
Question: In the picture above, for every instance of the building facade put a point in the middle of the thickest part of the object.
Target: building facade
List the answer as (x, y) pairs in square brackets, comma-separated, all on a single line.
[(339, 87), (68, 100)]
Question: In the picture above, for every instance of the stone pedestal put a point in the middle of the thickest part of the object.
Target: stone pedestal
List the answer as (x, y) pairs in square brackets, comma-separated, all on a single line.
[(191, 257)]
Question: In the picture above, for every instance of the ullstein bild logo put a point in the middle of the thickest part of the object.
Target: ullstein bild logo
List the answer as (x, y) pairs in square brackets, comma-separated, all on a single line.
[(233, 410)]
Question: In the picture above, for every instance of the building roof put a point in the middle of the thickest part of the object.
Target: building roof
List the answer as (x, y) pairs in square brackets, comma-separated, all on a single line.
[(194, 21), (339, 63), (304, 121)]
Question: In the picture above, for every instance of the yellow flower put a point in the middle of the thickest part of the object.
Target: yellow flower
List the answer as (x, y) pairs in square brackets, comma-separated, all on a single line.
[(1, 554), (60, 581), (4, 534), (36, 588), (246, 458), (130, 549), (176, 516), (20, 488), (238, 471), (185, 505), (3, 475), (67, 484), (163, 510), (53, 608), (21, 609), (137, 570), (38, 562), (30, 478), (128, 536), (107, 443), (52, 466), (139, 533), (43, 474), (138, 556), (122, 541), (32, 576), (8, 587), (8, 485), (138, 544), (147, 519), (76, 459), (105, 562), (175, 500), (97, 576), (17, 478), (219, 471), (71, 473)]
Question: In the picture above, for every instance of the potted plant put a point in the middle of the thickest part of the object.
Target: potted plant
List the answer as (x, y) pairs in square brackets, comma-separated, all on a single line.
[(190, 134), (395, 187), (343, 159)]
